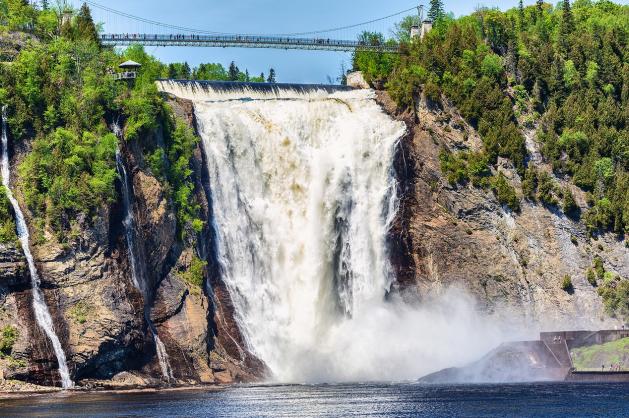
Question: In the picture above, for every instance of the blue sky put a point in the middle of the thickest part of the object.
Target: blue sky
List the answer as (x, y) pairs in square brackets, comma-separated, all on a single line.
[(272, 16)]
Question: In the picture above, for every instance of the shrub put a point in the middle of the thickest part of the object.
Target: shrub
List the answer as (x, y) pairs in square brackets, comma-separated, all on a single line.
[(570, 206), (465, 166), (616, 299), (599, 269), (505, 193), (7, 225), (8, 337), (609, 277), (195, 274), (529, 184), (591, 277), (80, 312), (432, 92), (546, 190), (566, 284)]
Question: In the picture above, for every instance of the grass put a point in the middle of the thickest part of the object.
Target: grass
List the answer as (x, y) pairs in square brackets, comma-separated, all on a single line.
[(593, 357), (80, 312)]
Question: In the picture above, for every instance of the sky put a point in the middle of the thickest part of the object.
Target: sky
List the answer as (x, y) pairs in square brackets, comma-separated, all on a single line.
[(273, 16)]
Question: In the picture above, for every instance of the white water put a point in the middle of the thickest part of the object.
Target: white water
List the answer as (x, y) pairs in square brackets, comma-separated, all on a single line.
[(42, 314), (303, 195), (136, 273)]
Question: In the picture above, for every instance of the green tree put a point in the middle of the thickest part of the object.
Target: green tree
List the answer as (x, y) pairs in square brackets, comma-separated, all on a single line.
[(566, 27), (211, 72), (521, 16), (233, 72), (436, 10), (505, 192), (85, 27), (271, 78)]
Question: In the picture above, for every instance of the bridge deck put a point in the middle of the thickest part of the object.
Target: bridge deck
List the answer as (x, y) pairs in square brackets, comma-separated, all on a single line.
[(244, 42)]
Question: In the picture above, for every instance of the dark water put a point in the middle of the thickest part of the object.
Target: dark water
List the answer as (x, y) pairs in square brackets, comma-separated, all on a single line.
[(369, 400)]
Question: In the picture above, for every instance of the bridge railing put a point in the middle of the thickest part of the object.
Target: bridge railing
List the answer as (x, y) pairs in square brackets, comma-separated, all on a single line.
[(244, 40)]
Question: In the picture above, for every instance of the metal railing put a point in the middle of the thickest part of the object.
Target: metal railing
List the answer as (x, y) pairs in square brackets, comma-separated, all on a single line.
[(246, 41), (127, 75)]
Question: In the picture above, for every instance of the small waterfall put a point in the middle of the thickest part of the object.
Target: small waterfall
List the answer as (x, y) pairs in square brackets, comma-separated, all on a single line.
[(42, 314), (137, 273)]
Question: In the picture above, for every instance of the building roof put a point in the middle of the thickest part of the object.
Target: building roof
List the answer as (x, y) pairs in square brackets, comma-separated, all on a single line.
[(130, 64)]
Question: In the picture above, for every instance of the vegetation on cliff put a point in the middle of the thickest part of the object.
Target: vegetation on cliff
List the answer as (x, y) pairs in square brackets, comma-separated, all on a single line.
[(7, 224), (62, 97), (563, 70)]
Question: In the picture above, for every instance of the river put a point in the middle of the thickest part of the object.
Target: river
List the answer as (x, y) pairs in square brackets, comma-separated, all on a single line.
[(358, 400)]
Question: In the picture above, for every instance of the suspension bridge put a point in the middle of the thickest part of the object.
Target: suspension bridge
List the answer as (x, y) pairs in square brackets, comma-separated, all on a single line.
[(122, 29)]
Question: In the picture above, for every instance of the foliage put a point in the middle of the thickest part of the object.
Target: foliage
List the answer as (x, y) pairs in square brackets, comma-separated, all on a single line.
[(436, 10), (271, 78), (547, 189), (212, 72), (566, 63), (8, 337), (172, 165), (462, 167), (80, 312), (7, 225), (376, 66), (62, 98), (566, 284), (569, 206), (195, 274), (615, 296), (505, 192), (591, 277), (67, 174), (599, 269)]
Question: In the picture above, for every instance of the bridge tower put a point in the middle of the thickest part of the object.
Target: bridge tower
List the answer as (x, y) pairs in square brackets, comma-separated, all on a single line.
[(415, 29)]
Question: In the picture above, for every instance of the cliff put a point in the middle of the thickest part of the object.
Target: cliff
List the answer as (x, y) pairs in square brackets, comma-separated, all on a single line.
[(98, 313), (443, 235), (461, 235)]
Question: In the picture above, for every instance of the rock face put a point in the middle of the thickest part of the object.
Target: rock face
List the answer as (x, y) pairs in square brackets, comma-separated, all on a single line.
[(448, 235), (99, 314), (357, 80)]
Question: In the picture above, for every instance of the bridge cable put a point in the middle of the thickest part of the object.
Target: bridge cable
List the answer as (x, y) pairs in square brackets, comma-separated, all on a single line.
[(200, 31)]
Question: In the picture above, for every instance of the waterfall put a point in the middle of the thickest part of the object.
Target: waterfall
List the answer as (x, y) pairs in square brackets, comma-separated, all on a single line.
[(42, 314), (137, 273), (303, 194)]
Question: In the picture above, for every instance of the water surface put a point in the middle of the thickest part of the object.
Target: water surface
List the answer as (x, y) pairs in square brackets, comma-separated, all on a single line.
[(362, 400)]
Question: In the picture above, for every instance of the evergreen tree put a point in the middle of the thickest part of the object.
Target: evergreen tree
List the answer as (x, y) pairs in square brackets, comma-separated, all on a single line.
[(85, 27), (185, 71), (567, 21), (521, 14), (233, 72), (172, 71), (271, 78), (436, 10), (566, 28), (44, 5), (540, 9), (247, 78)]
